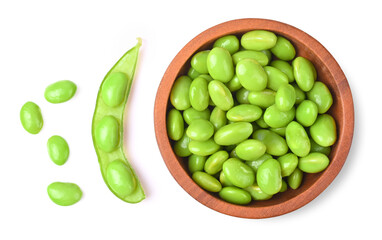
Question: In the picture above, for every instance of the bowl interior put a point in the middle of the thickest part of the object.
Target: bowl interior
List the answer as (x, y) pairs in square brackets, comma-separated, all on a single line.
[(328, 71)]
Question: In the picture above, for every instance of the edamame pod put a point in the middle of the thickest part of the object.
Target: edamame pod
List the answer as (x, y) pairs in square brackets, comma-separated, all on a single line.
[(304, 73), (244, 113), (235, 195), (258, 40), (220, 65), (229, 42), (31, 117), (199, 97), (320, 94), (114, 88), (260, 57), (283, 49), (220, 95), (251, 75), (297, 139), (179, 95), (313, 163), (175, 124), (107, 129), (60, 91), (233, 133), (206, 181), (58, 150), (324, 130), (269, 176), (64, 194)]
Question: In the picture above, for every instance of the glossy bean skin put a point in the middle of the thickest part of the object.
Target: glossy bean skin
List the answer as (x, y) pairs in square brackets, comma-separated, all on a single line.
[(181, 146), (175, 124), (259, 57), (255, 164), (285, 97), (258, 40), (114, 88), (220, 64), (276, 78), (284, 67), (235, 195), (196, 163), (263, 99), (269, 176), (280, 131), (250, 149), (233, 133), (320, 94), (275, 144), (218, 118), (229, 42), (314, 147), (288, 164), (224, 181), (295, 179), (179, 95), (300, 95), (192, 73), (238, 173), (206, 181), (297, 139), (324, 130), (234, 84), (203, 148), (242, 96), (283, 49), (190, 114), (64, 194), (58, 149), (199, 97), (304, 73), (120, 178), (220, 95), (107, 129), (251, 75), (199, 61), (275, 118), (244, 113), (284, 186), (257, 194), (60, 91), (306, 113), (31, 117), (313, 163), (214, 163), (200, 130)]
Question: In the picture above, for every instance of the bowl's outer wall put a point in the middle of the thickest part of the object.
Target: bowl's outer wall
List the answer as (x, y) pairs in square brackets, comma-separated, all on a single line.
[(328, 71)]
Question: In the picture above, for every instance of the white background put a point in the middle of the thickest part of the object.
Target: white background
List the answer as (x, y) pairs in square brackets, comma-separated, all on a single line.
[(45, 41)]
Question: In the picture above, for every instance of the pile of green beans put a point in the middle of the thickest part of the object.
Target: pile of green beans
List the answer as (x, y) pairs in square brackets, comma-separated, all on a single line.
[(250, 117)]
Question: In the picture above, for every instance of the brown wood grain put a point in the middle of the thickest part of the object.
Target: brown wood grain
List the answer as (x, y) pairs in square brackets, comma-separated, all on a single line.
[(342, 110)]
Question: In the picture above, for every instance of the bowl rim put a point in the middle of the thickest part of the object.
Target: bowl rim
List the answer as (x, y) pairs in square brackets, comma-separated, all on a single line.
[(183, 178)]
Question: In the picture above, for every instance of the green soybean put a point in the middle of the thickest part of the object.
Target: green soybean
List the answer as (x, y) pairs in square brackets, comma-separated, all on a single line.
[(175, 124), (199, 61), (203, 148), (275, 144), (297, 139), (214, 163), (206, 181), (275, 118), (233, 133), (229, 42), (320, 94), (234, 84), (181, 146), (179, 95), (250, 149), (288, 164), (285, 97), (324, 130), (58, 149), (280, 131), (306, 113), (220, 95), (196, 163), (283, 49), (64, 193), (255, 164), (200, 130), (242, 96), (300, 95), (223, 180), (31, 117), (220, 65), (258, 40), (276, 78), (244, 113), (114, 88), (263, 99), (259, 57), (107, 129), (238, 173), (60, 91), (284, 186), (257, 194), (313, 163), (284, 67), (304, 73), (218, 118), (192, 73), (314, 147), (251, 75), (199, 97), (295, 179), (235, 195), (269, 177), (190, 114)]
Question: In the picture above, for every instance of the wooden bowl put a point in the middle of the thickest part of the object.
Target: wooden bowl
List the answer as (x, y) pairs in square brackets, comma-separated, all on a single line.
[(342, 110)]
